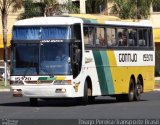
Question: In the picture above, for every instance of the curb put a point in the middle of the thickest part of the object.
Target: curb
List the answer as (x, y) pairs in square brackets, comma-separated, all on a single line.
[(157, 78), (4, 90), (156, 89)]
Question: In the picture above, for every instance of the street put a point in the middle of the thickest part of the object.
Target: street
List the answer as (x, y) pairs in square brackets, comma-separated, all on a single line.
[(104, 107)]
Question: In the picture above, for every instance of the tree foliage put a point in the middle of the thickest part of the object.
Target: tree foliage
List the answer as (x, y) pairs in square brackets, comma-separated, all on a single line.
[(95, 6), (32, 9), (47, 8), (133, 9)]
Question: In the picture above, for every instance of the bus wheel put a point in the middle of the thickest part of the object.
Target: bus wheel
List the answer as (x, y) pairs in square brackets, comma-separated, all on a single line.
[(138, 91), (130, 95), (127, 97), (87, 94), (33, 101)]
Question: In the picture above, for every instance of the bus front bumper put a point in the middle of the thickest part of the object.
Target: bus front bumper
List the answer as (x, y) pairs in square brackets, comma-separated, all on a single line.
[(42, 91)]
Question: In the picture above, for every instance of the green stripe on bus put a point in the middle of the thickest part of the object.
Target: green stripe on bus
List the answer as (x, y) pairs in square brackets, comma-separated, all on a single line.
[(108, 73), (100, 72), (89, 20), (45, 78), (104, 72)]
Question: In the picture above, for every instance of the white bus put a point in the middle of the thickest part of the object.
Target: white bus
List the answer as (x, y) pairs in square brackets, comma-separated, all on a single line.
[(74, 57)]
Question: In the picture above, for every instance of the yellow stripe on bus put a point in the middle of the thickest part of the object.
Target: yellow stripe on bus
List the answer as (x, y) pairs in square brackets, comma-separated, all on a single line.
[(121, 75)]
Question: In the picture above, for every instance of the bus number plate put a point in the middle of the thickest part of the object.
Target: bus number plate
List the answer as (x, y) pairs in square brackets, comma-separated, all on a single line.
[(22, 78)]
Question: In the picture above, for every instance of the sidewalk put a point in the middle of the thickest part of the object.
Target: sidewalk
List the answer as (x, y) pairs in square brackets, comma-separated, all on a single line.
[(157, 83), (4, 88)]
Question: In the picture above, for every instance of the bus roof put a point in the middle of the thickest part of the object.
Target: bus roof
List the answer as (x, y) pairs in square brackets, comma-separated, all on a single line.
[(110, 20), (144, 23), (48, 21), (81, 18)]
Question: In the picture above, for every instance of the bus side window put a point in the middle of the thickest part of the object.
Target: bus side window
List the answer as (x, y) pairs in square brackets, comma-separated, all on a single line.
[(142, 33), (132, 37), (111, 37), (122, 37), (100, 41), (88, 35)]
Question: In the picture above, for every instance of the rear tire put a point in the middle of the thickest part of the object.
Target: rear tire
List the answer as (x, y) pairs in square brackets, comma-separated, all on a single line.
[(130, 95), (33, 101), (127, 97), (138, 91)]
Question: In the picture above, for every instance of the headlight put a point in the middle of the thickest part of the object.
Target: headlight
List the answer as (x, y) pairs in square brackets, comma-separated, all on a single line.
[(16, 83), (62, 82)]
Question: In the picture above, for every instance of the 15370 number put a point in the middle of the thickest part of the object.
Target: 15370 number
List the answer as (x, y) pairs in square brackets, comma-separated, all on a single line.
[(22, 78)]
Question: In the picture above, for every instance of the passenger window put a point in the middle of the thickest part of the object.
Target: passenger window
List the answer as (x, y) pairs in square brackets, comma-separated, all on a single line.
[(142, 33), (132, 37), (100, 37), (88, 35), (122, 37), (111, 37)]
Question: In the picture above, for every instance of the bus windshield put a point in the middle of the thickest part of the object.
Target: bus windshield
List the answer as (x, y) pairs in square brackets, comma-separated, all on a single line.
[(30, 57), (41, 59)]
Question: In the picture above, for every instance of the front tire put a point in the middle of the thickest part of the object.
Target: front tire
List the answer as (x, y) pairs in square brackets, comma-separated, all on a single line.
[(85, 98)]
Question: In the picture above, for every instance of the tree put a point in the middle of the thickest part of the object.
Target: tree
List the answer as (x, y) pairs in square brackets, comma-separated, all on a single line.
[(95, 6), (32, 9), (52, 7), (4, 7), (132, 9), (47, 8)]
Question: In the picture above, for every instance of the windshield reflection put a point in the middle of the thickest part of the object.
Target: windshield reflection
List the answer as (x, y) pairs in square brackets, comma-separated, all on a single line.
[(54, 58)]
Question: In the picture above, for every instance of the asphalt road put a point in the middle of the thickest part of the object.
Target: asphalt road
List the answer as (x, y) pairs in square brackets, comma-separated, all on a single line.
[(104, 107)]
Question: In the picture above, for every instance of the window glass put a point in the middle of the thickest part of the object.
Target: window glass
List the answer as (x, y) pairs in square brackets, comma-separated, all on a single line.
[(100, 37), (88, 35), (122, 37), (142, 33), (132, 37), (111, 37)]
